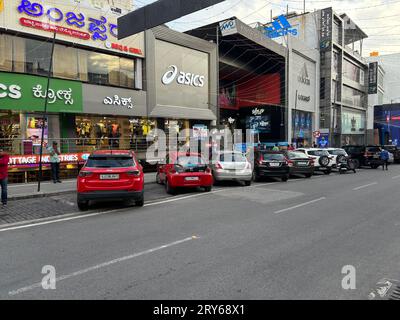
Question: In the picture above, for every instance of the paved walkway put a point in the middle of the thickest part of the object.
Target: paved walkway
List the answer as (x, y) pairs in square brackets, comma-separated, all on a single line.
[(29, 190)]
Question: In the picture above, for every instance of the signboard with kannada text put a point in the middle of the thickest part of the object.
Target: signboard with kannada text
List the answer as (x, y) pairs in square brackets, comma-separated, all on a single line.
[(90, 23), (28, 93)]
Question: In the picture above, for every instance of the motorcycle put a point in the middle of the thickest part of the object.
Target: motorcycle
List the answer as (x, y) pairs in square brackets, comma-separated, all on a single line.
[(345, 164)]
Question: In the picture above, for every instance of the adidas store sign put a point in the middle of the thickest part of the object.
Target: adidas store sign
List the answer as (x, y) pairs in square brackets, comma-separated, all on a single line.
[(280, 27), (303, 76)]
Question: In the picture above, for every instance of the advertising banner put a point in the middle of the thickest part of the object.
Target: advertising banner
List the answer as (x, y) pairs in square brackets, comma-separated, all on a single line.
[(323, 140), (29, 161), (326, 29), (353, 122), (28, 93), (91, 23), (34, 127), (373, 78)]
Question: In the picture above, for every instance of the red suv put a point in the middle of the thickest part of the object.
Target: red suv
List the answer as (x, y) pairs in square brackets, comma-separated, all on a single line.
[(110, 174), (188, 170)]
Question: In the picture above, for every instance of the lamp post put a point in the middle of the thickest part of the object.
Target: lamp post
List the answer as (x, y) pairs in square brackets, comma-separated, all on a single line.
[(45, 112)]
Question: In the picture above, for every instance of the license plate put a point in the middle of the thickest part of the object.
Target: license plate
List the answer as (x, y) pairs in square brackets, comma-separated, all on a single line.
[(109, 177), (302, 163), (274, 164), (192, 178), (376, 156)]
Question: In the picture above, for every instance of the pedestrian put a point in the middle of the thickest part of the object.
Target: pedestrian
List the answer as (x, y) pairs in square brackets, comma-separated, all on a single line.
[(275, 148), (55, 162), (4, 159), (384, 156), (315, 145)]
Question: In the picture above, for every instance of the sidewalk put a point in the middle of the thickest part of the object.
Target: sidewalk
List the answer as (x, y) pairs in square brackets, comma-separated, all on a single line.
[(29, 190)]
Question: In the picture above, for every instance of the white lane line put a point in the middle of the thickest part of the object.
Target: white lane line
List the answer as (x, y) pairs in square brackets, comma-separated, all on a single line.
[(83, 216), (102, 265), (395, 177), (301, 205), (365, 186)]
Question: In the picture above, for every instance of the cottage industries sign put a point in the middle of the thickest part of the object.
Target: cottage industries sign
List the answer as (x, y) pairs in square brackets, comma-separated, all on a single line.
[(28, 93)]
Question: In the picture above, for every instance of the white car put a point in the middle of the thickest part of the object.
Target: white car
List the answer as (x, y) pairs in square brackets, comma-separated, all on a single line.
[(323, 161), (391, 157), (337, 153)]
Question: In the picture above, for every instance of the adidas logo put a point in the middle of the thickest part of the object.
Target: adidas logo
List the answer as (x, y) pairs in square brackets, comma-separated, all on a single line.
[(280, 27), (303, 76)]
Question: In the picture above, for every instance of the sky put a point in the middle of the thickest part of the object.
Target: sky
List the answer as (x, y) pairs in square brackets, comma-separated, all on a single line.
[(377, 18)]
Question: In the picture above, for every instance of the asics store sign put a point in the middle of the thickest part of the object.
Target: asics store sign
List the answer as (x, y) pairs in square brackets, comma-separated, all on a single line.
[(182, 78), (280, 27)]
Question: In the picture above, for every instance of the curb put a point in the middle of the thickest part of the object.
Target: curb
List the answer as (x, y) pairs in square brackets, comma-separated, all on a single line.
[(48, 194)]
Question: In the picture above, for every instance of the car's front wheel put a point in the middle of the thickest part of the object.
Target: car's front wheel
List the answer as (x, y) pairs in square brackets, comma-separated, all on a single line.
[(247, 183), (83, 205)]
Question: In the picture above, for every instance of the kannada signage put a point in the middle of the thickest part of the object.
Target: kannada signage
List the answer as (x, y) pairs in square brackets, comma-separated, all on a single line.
[(87, 22), (28, 93)]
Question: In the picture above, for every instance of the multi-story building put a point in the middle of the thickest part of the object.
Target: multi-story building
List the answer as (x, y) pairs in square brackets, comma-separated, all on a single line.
[(103, 92), (343, 97)]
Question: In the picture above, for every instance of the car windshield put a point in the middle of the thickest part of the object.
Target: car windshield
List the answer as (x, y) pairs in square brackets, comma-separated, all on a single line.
[(110, 162), (337, 152), (232, 157), (297, 155), (318, 153), (273, 156), (190, 161)]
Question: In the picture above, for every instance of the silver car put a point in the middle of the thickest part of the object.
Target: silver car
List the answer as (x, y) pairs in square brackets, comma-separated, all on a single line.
[(232, 166)]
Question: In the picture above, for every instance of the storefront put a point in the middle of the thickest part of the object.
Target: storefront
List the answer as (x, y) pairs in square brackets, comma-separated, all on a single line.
[(353, 126), (387, 124)]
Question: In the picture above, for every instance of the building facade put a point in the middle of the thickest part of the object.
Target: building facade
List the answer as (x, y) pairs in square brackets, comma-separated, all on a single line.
[(103, 92)]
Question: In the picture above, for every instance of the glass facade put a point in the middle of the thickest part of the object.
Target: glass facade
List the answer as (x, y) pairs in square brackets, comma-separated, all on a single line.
[(23, 55), (353, 97), (353, 72)]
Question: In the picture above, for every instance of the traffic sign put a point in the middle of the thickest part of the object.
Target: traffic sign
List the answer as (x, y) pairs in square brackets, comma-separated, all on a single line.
[(317, 134)]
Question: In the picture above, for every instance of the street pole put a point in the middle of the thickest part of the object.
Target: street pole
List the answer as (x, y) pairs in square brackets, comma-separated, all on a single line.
[(295, 111), (218, 106), (45, 112)]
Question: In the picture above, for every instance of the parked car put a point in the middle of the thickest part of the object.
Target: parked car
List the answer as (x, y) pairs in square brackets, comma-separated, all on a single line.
[(338, 154), (364, 156), (323, 161), (270, 164), (184, 170), (300, 164), (232, 166), (110, 174), (395, 150), (391, 157)]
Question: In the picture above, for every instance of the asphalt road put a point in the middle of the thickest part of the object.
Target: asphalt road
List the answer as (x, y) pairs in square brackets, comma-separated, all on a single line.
[(272, 240)]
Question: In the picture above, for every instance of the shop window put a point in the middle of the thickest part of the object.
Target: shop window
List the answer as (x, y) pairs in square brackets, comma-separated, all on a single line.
[(127, 73), (5, 52), (37, 57), (65, 62), (10, 132)]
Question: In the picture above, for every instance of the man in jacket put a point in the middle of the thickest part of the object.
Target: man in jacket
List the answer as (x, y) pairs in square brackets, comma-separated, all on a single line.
[(4, 159), (385, 159)]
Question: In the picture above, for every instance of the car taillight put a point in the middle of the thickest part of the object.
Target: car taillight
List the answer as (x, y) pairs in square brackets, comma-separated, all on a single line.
[(218, 165), (312, 161), (135, 173), (84, 174), (290, 163)]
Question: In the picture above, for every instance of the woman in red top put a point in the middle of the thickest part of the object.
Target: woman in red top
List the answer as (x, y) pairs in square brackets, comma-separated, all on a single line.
[(4, 158)]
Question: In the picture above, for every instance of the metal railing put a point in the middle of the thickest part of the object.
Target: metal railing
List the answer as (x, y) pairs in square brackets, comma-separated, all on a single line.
[(18, 146)]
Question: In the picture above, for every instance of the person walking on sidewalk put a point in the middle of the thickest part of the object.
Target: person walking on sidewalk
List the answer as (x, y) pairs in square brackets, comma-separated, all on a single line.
[(275, 148), (55, 162), (384, 155), (4, 159)]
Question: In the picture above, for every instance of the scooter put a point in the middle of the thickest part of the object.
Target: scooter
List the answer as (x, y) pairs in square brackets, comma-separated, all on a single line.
[(345, 164)]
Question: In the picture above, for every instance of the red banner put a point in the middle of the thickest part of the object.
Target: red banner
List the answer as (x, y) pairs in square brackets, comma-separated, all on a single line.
[(53, 28), (21, 161)]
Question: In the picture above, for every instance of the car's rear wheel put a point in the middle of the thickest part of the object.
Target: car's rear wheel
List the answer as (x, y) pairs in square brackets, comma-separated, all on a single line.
[(356, 163), (140, 202), (328, 171), (285, 178), (374, 166), (207, 189), (169, 189), (247, 183), (83, 205), (256, 178), (308, 175)]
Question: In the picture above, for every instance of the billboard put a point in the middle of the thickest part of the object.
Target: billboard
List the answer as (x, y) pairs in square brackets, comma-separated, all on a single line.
[(259, 124), (373, 78), (326, 29), (91, 23)]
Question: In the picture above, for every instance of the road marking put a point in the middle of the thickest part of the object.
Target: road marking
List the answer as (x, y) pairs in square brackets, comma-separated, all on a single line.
[(301, 205), (103, 265), (396, 177), (365, 186), (83, 216)]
